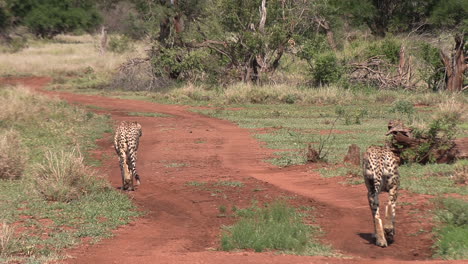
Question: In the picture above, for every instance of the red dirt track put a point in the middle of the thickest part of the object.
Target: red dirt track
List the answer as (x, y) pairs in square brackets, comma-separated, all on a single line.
[(182, 223)]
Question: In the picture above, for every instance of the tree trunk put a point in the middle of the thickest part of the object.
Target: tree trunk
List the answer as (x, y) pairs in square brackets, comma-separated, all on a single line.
[(456, 66), (103, 43), (354, 155)]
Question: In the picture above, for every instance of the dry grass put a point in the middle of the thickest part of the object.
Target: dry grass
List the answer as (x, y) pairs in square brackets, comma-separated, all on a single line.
[(6, 238), (13, 155), (67, 54), (19, 103), (453, 108), (64, 177), (460, 175)]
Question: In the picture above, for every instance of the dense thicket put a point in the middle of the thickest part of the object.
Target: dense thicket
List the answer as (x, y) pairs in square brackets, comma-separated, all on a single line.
[(47, 18)]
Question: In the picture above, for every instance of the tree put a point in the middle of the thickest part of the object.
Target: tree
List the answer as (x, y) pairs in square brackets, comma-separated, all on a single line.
[(455, 66), (47, 18)]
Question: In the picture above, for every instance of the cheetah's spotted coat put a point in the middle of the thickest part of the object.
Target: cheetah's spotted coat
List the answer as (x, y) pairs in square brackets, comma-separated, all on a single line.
[(380, 166), (126, 141)]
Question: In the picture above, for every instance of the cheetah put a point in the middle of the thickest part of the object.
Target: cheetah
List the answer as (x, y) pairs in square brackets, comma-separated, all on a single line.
[(126, 141), (380, 166)]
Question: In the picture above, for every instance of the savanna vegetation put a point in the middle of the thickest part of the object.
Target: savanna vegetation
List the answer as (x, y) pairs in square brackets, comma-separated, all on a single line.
[(50, 198), (330, 73)]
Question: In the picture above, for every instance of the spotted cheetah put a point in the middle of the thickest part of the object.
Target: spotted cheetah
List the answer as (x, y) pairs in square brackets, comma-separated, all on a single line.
[(126, 140), (380, 166)]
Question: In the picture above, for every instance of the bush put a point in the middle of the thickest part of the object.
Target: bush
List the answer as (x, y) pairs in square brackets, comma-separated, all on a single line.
[(48, 18), (326, 68), (433, 72), (13, 156), (437, 136), (389, 48), (403, 107), (64, 177), (120, 44)]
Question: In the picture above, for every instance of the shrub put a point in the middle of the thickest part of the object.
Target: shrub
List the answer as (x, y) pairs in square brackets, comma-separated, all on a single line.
[(13, 156), (64, 177), (326, 68), (433, 72), (120, 43), (437, 136), (389, 48), (403, 107)]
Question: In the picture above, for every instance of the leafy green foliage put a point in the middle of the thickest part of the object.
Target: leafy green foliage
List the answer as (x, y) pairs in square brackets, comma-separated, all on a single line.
[(403, 107), (388, 47), (326, 69), (434, 71), (450, 14), (438, 136), (48, 18), (353, 117), (120, 43)]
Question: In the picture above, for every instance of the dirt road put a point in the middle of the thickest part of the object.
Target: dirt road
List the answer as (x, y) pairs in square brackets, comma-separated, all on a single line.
[(182, 223)]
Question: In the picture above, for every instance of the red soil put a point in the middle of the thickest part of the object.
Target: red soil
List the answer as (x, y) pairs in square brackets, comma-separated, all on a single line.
[(182, 223)]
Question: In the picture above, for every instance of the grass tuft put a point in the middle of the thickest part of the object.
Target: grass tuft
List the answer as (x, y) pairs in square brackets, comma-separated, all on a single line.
[(275, 227), (64, 177), (7, 240), (13, 155)]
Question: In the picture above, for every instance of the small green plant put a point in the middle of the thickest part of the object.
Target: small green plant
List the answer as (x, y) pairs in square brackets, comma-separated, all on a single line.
[(195, 183), (120, 44), (403, 107), (222, 209), (351, 117), (230, 183)]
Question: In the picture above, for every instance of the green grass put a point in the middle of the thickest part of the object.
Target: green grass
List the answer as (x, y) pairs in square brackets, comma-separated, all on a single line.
[(195, 183), (292, 127), (432, 179), (44, 228), (148, 114), (452, 235), (274, 227), (229, 183)]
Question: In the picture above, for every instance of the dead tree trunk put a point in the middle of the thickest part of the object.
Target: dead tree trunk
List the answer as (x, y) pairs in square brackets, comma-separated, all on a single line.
[(455, 66), (103, 42), (436, 150), (323, 23)]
